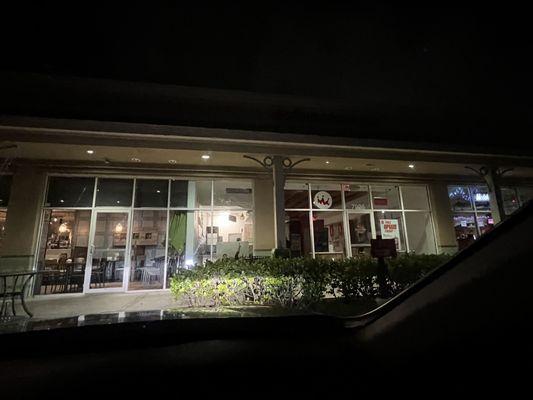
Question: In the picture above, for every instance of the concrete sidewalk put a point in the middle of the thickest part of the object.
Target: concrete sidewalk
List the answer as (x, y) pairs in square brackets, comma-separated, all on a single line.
[(44, 307)]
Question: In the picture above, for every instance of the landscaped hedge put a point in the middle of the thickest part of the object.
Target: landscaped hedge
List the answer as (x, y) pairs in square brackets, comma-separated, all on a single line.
[(294, 282)]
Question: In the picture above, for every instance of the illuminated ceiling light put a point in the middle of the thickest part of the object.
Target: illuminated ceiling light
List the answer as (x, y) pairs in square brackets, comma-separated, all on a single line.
[(374, 169), (118, 228), (158, 191), (172, 161), (206, 156), (135, 159), (327, 162), (90, 151), (55, 219), (61, 201), (63, 227), (348, 168), (118, 201), (411, 165)]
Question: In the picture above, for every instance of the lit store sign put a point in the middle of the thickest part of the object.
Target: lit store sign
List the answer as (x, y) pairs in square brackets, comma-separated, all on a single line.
[(480, 197), (322, 200)]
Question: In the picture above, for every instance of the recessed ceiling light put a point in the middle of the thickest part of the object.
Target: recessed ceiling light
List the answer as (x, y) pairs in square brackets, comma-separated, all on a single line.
[(327, 162), (135, 159), (90, 151), (158, 191), (411, 165), (172, 161), (61, 201), (206, 156), (118, 201)]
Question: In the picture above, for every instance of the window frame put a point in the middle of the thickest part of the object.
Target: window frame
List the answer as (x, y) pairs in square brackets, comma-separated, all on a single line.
[(211, 209), (371, 210)]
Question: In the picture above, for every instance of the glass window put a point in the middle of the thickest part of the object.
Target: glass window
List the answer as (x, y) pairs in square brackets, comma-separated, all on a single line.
[(232, 234), (328, 234), (114, 192), (5, 189), (360, 233), (460, 198), (510, 200), (3, 216), (485, 222), (420, 232), (415, 198), (148, 243), (109, 251), (199, 194), (187, 240), (151, 193), (233, 194), (356, 196), (465, 229), (70, 192), (385, 197), (481, 198), (525, 194), (298, 233), (326, 196), (178, 193), (63, 251), (390, 226), (296, 195)]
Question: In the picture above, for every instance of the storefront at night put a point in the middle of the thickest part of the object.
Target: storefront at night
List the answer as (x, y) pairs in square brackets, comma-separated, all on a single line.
[(125, 217)]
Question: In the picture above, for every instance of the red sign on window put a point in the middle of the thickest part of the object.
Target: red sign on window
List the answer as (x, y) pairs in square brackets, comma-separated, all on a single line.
[(381, 201)]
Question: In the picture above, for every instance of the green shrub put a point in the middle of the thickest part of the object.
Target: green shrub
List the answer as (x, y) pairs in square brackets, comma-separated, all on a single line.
[(294, 282), (354, 278), (409, 268)]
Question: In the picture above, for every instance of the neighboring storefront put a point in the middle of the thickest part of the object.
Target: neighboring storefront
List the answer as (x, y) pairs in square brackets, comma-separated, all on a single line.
[(471, 207), (133, 233), (339, 220)]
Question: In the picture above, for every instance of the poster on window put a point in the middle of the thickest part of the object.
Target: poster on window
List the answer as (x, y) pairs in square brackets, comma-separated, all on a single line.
[(390, 229)]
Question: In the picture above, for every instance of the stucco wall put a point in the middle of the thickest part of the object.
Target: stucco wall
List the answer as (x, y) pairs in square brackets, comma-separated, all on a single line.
[(264, 237), (443, 218), (23, 217)]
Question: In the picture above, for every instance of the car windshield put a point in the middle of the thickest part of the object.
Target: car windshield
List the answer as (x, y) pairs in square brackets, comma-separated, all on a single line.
[(177, 161)]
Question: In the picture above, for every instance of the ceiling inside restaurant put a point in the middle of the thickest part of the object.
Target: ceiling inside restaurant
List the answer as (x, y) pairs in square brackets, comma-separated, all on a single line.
[(179, 159)]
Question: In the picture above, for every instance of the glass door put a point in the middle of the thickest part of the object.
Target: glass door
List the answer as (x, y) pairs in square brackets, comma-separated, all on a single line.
[(361, 232), (108, 259)]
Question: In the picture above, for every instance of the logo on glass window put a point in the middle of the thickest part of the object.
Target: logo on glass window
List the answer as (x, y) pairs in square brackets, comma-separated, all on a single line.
[(322, 200)]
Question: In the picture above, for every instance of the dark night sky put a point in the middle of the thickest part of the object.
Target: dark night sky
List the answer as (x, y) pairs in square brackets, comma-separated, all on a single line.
[(463, 65)]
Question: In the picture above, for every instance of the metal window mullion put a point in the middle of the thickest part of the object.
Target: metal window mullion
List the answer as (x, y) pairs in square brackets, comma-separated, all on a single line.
[(434, 230), (404, 222), (372, 216), (311, 224), (165, 265), (212, 218), (346, 223), (127, 260), (95, 191)]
